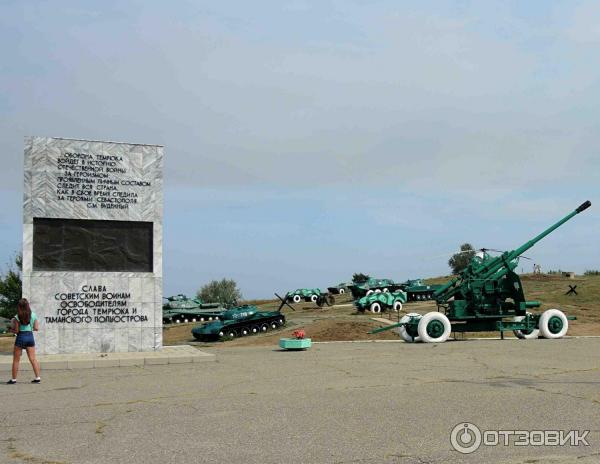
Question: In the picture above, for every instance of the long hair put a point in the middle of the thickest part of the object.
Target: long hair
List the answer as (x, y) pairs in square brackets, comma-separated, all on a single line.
[(24, 311)]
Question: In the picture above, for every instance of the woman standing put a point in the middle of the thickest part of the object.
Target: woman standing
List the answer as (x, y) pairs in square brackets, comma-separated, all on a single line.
[(23, 324)]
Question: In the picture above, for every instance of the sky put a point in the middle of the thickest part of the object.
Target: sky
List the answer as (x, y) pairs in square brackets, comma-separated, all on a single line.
[(309, 140)]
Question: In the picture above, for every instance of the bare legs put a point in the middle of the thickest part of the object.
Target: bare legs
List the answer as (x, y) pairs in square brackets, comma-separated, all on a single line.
[(32, 359), (16, 359)]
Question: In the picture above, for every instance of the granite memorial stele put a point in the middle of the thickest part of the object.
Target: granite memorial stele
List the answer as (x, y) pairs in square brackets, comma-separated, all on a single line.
[(92, 244)]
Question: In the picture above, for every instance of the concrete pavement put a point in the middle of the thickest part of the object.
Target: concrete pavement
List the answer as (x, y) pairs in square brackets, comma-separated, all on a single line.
[(336, 403)]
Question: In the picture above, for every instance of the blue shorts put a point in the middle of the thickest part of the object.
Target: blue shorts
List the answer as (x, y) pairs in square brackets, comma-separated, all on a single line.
[(25, 340)]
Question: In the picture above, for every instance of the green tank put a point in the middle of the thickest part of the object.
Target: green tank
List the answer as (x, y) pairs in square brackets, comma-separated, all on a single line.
[(180, 308), (239, 322), (418, 290)]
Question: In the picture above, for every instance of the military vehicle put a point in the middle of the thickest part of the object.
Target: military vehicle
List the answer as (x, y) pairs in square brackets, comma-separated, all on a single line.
[(306, 294), (373, 286), (240, 322), (418, 290), (487, 296), (180, 308), (382, 301), (339, 289)]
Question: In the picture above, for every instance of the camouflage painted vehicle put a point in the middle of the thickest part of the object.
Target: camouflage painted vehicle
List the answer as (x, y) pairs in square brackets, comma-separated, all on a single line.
[(373, 286), (306, 294), (339, 289), (418, 290), (381, 301), (180, 308), (239, 322)]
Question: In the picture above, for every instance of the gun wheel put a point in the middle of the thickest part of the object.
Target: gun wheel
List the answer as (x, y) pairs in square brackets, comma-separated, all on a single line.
[(314, 298), (525, 334), (404, 333), (397, 306), (553, 324), (341, 291), (296, 298), (434, 327)]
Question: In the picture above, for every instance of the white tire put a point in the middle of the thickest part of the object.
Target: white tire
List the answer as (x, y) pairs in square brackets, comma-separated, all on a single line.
[(535, 333), (378, 290), (369, 292), (375, 308), (385, 290), (342, 291), (314, 298), (402, 331), (553, 324), (397, 306), (296, 298), (436, 322)]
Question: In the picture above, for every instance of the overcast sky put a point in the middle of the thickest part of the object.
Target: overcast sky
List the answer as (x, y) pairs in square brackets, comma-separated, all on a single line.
[(305, 141)]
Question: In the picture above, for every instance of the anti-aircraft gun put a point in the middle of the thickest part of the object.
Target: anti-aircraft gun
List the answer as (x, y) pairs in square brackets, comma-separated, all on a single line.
[(487, 296)]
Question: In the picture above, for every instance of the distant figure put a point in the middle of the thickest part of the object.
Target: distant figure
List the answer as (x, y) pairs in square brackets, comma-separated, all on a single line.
[(537, 268), (24, 324)]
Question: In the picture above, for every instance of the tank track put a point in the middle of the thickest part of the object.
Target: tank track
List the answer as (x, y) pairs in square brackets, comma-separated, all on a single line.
[(252, 327)]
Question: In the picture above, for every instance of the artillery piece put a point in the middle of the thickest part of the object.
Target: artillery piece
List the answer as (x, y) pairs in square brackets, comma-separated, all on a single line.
[(487, 296)]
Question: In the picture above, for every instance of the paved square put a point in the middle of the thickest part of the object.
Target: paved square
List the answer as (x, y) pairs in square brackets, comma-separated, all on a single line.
[(338, 402)]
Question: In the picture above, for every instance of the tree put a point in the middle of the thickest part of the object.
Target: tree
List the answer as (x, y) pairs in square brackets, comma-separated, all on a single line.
[(359, 278), (11, 288), (461, 259), (223, 291)]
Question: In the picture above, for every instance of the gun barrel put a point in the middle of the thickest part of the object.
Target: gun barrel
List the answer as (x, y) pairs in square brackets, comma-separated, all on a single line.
[(522, 249)]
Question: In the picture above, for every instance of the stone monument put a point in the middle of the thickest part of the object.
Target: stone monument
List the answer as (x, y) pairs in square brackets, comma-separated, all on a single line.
[(92, 244)]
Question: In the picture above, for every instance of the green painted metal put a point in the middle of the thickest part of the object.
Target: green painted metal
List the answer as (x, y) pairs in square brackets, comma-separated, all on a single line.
[(339, 289), (385, 300), (418, 290), (373, 286), (488, 294), (180, 308), (305, 294), (239, 322)]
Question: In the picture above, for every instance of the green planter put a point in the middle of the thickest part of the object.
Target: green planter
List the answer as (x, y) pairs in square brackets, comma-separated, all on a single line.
[(295, 343)]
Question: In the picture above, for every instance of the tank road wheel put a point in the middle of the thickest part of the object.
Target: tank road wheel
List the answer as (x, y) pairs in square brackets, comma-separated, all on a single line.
[(244, 331), (375, 308), (404, 333), (341, 291), (177, 320), (525, 334), (434, 327), (201, 319), (274, 325), (231, 334), (193, 319), (221, 333), (264, 327), (254, 329), (296, 298), (280, 321), (397, 306), (216, 318), (377, 290), (386, 290), (553, 324), (186, 320), (369, 292), (314, 298)]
